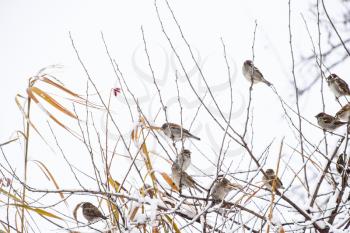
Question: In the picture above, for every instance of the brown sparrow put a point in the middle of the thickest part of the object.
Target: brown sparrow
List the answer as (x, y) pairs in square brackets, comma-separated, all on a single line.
[(91, 212), (221, 188), (341, 165), (270, 177), (186, 180), (147, 190), (252, 73), (175, 132), (184, 159), (337, 85), (328, 122), (344, 113)]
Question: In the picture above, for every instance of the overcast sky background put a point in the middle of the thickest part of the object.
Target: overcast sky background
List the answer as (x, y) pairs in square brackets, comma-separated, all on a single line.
[(35, 34)]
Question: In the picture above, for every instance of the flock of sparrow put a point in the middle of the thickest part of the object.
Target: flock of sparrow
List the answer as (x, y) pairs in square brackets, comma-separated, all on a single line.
[(222, 186), (337, 85)]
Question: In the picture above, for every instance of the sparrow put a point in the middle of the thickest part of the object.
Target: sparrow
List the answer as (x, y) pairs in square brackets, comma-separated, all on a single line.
[(252, 73), (221, 188), (175, 131), (341, 165), (337, 85), (147, 190), (344, 113), (184, 159), (91, 212), (270, 177), (186, 180), (328, 122)]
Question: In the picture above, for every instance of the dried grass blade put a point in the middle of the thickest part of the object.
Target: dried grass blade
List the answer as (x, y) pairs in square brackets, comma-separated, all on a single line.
[(38, 211), (47, 172)]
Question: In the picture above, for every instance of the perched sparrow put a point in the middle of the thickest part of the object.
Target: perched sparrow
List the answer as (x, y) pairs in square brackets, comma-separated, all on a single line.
[(221, 188), (186, 180), (184, 159), (147, 190), (328, 122), (337, 85), (251, 73), (341, 165), (91, 213), (344, 113), (270, 177), (175, 132)]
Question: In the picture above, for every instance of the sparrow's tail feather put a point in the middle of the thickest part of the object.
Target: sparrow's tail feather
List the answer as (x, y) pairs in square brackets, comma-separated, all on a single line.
[(340, 123), (192, 136), (266, 82)]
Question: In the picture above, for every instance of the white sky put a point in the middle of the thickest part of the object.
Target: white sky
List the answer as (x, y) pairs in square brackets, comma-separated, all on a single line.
[(34, 34)]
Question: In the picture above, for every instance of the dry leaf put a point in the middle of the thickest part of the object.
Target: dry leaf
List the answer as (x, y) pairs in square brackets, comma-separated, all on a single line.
[(170, 181)]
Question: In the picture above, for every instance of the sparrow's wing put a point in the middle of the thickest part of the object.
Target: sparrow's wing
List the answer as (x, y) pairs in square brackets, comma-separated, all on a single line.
[(328, 119), (340, 164), (178, 128), (343, 109), (188, 134), (279, 182), (191, 182), (257, 72), (189, 178), (194, 184), (90, 212), (270, 179), (342, 85), (186, 131), (260, 76), (100, 215), (94, 211)]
